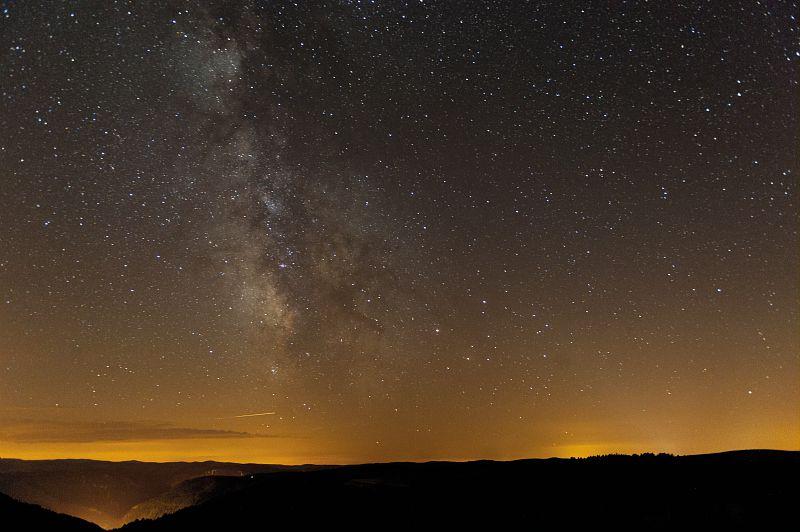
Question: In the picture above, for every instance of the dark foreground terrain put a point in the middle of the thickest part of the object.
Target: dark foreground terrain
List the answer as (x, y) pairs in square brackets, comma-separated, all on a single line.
[(16, 515), (742, 488)]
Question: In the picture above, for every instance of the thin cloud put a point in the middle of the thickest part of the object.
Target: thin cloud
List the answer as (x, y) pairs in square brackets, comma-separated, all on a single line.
[(85, 432)]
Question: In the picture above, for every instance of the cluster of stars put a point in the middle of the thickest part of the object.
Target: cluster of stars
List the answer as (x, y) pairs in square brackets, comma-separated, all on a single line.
[(342, 212)]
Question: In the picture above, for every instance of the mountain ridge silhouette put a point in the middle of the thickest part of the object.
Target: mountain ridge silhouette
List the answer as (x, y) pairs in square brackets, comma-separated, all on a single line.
[(747, 487)]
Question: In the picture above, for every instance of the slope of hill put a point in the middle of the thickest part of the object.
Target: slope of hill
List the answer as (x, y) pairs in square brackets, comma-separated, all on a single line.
[(103, 492), (188, 493), (16, 515), (753, 488)]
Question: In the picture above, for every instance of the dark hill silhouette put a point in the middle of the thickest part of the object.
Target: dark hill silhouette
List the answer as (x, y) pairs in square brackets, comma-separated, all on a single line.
[(757, 489), (748, 488), (19, 516)]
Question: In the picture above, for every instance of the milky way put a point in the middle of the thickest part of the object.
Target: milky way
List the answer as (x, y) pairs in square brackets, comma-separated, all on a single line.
[(401, 229), (300, 243)]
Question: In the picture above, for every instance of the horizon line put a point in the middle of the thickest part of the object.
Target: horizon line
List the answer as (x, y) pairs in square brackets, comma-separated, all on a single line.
[(403, 461)]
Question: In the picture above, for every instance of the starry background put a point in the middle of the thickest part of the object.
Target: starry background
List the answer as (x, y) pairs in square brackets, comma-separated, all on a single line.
[(397, 229)]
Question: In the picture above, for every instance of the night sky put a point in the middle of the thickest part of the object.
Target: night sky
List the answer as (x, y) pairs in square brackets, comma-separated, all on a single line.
[(397, 230)]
